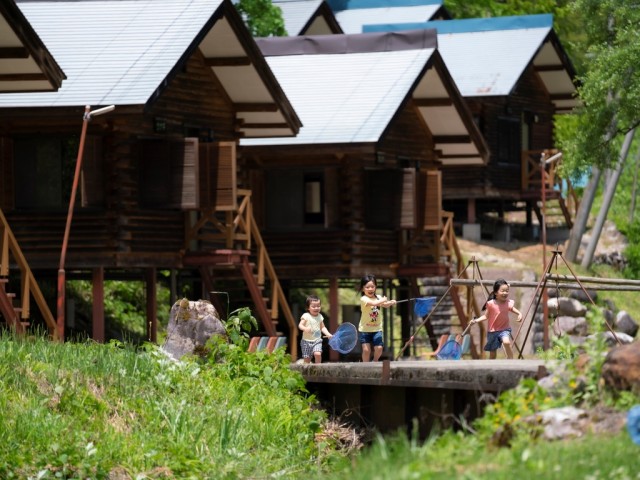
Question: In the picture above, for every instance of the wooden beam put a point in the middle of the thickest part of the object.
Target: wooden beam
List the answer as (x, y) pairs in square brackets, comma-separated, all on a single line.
[(14, 52), (152, 308), (256, 107), (227, 62), (433, 102), (246, 126), (452, 139), (19, 77), (549, 68), (97, 286)]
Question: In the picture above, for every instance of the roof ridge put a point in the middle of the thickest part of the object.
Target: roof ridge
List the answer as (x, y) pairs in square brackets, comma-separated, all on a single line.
[(348, 43)]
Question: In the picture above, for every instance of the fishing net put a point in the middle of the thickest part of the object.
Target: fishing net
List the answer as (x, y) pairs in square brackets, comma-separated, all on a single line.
[(451, 350), (423, 306), (345, 338)]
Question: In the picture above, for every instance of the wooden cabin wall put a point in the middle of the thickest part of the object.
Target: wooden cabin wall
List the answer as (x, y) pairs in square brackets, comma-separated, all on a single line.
[(345, 246), (498, 181), (408, 141), (119, 232)]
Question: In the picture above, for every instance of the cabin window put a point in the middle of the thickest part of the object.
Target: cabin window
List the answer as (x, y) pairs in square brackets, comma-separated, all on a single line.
[(313, 199), (382, 198), (295, 199), (44, 169), (509, 141)]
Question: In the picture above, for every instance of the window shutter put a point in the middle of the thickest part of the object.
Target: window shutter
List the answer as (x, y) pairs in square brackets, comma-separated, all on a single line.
[(218, 179), (184, 174), (92, 177), (6, 174), (408, 207), (433, 200)]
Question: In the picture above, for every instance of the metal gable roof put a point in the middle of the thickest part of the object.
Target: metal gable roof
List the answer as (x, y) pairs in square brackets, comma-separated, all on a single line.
[(351, 97), (25, 63), (353, 21), (304, 17), (487, 56), (125, 52)]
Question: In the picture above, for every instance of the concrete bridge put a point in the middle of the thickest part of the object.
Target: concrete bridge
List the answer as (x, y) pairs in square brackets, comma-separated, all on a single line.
[(392, 395)]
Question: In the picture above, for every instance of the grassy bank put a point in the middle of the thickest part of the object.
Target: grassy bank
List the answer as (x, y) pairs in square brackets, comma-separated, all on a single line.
[(107, 411)]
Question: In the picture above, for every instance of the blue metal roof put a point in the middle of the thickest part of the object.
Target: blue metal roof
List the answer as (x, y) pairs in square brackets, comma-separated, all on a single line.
[(337, 5), (520, 22), (487, 56)]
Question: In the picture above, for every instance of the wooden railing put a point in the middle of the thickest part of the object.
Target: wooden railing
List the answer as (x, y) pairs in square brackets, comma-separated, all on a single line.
[(29, 287), (532, 176), (240, 231), (454, 256)]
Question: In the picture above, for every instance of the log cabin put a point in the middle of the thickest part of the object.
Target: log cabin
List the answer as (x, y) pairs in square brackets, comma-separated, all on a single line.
[(26, 65), (515, 77), (149, 186), (358, 190)]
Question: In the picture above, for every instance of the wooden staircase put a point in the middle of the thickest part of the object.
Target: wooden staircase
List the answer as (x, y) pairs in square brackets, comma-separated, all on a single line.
[(17, 317), (560, 199), (243, 255)]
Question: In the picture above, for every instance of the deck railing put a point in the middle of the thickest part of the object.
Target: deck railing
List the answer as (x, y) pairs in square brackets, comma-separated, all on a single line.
[(239, 230), (9, 249)]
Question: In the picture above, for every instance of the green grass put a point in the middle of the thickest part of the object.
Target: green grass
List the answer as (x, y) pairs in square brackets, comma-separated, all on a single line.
[(91, 411), (88, 410), (457, 456)]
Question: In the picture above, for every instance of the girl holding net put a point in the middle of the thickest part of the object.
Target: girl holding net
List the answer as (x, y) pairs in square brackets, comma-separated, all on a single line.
[(498, 307)]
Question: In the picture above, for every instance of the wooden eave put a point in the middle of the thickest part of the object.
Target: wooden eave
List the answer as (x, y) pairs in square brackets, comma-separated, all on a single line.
[(310, 149), (12, 18), (254, 58), (455, 99)]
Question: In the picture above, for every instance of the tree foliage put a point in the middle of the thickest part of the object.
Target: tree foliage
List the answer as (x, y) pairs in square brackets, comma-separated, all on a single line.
[(610, 86), (262, 17)]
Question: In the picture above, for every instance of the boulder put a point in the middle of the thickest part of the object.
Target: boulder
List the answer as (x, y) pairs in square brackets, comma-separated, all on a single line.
[(191, 325), (621, 368), (581, 296), (625, 323), (566, 306), (570, 325)]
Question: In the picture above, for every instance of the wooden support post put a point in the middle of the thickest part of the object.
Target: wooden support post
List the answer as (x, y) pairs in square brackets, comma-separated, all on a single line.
[(97, 286), (334, 308), (152, 309)]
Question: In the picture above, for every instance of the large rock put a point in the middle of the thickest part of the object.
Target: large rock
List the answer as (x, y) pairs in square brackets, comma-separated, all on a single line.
[(625, 323), (570, 325), (566, 306), (621, 368), (191, 325)]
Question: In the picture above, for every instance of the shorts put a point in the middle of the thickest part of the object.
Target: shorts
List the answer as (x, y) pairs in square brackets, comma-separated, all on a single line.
[(494, 339), (374, 338), (308, 348)]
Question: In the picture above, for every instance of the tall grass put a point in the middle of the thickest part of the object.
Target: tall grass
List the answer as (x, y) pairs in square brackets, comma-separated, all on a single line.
[(90, 411)]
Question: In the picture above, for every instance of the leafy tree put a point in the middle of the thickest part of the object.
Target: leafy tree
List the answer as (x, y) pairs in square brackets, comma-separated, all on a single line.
[(262, 17), (610, 88)]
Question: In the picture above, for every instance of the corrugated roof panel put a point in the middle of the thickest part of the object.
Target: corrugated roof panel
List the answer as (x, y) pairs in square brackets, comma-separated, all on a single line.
[(352, 21), (111, 52), (296, 13), (344, 98), (489, 63)]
